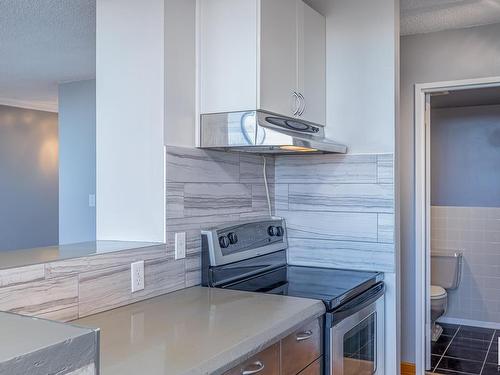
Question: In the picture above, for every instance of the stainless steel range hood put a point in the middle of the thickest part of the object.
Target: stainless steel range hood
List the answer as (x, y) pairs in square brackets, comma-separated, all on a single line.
[(264, 132)]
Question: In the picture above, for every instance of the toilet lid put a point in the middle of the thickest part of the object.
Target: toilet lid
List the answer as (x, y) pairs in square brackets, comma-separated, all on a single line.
[(437, 291)]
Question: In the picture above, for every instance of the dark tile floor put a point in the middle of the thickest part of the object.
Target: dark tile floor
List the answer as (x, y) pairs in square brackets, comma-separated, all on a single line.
[(466, 350)]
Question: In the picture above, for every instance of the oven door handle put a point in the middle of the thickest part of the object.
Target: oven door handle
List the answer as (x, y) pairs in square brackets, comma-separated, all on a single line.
[(359, 303)]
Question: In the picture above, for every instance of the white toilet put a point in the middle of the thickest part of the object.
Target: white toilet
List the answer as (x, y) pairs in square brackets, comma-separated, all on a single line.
[(446, 270)]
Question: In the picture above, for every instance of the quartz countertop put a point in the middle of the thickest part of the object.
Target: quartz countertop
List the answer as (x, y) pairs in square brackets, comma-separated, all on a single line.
[(36, 346), (27, 257), (195, 331)]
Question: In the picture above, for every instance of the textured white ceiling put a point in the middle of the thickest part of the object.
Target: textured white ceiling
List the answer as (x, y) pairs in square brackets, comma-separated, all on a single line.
[(42, 43), (424, 16)]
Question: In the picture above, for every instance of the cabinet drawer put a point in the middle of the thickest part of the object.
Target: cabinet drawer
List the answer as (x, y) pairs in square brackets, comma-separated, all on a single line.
[(267, 362), (301, 348), (313, 369)]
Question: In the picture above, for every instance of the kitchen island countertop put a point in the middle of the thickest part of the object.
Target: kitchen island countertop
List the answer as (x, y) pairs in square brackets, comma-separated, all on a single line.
[(195, 331)]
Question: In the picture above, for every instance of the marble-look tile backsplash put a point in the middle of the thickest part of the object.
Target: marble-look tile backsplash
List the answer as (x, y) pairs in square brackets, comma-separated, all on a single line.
[(208, 188), (339, 209)]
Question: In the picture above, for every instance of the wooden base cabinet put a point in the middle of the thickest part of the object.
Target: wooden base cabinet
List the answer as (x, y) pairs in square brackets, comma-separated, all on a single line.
[(299, 353)]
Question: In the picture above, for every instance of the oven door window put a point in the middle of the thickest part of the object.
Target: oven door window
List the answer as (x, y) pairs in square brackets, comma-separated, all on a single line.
[(359, 347)]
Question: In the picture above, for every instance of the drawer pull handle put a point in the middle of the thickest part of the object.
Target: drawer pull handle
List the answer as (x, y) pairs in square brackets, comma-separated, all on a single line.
[(253, 368), (304, 335)]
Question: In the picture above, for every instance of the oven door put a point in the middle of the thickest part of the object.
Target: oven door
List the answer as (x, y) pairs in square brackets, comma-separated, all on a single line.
[(357, 335)]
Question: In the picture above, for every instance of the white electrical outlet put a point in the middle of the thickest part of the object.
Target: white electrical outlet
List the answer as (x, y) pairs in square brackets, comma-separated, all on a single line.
[(137, 276), (180, 245)]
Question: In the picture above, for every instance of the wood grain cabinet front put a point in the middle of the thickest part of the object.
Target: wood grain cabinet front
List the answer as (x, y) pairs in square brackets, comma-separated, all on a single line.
[(301, 348), (313, 369), (267, 362)]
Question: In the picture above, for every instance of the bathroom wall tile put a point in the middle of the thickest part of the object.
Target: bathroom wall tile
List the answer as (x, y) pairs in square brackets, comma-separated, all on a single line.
[(40, 297), (21, 275), (385, 169), (195, 165), (312, 169), (103, 290), (341, 197)]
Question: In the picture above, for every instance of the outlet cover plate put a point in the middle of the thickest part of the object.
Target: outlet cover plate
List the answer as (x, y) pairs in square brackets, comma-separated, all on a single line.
[(180, 245), (137, 276)]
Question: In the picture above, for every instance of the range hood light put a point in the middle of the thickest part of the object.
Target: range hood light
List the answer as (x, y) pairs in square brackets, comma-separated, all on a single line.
[(298, 149)]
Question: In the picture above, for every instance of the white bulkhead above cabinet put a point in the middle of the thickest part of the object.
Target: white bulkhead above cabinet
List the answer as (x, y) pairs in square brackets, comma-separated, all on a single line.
[(261, 55)]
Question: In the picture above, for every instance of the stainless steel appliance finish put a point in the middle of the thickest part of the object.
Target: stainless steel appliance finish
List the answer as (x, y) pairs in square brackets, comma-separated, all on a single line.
[(354, 300), (264, 132)]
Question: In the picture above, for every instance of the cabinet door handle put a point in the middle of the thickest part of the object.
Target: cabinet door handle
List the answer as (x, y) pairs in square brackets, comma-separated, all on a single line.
[(253, 368), (297, 103), (301, 336), (303, 101)]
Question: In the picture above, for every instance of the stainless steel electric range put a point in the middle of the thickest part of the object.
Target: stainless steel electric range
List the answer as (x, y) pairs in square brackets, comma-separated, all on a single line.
[(252, 256)]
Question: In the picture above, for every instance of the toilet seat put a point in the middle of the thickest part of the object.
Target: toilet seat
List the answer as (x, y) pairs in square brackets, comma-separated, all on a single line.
[(437, 292)]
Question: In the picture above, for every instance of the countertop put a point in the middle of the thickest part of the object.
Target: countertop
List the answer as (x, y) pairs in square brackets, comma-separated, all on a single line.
[(49, 347), (27, 257), (195, 331)]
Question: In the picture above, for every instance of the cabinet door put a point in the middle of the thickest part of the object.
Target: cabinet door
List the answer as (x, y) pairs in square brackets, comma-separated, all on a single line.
[(312, 63), (278, 56), (267, 362)]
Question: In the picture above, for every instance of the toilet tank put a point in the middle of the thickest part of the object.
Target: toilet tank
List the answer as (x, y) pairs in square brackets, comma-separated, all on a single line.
[(446, 269)]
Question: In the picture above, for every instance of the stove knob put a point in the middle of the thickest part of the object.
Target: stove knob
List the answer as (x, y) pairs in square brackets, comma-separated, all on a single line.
[(223, 242), (272, 231), (233, 238), (280, 231)]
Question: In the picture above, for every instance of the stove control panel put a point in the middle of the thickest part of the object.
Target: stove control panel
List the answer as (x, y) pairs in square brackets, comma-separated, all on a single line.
[(246, 240)]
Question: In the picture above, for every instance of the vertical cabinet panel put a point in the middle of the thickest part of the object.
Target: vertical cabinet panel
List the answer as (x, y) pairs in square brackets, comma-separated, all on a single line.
[(312, 62), (227, 55), (278, 56)]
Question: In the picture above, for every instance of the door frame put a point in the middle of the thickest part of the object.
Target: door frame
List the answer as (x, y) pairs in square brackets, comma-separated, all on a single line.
[(422, 204)]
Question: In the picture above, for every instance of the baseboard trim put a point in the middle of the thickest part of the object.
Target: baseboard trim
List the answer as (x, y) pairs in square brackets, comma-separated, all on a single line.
[(408, 368), (469, 322)]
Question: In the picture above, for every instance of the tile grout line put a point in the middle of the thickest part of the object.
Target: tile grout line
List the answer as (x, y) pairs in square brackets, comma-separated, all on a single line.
[(488, 352), (444, 352)]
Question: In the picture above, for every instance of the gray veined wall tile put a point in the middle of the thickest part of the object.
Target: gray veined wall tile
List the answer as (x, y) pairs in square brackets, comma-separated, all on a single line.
[(385, 169), (193, 270), (251, 168), (40, 297), (175, 200), (195, 165), (281, 197), (109, 288), (332, 225), (204, 199), (311, 169), (259, 199), (341, 254), (386, 228), (341, 197), (19, 275)]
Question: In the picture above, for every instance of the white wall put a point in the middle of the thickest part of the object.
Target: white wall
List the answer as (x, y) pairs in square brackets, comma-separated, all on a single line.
[(130, 118), (77, 161), (441, 56), (362, 53)]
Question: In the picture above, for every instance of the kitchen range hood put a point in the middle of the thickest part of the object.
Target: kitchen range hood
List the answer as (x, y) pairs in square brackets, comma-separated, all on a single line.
[(264, 132)]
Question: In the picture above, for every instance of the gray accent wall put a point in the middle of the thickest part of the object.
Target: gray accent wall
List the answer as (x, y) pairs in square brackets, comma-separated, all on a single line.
[(465, 156), (28, 178), (440, 56), (77, 166)]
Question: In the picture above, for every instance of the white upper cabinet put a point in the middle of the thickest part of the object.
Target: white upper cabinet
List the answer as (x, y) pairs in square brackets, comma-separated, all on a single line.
[(261, 54)]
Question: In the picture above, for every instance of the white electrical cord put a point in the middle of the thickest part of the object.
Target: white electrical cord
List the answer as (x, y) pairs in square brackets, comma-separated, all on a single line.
[(266, 185)]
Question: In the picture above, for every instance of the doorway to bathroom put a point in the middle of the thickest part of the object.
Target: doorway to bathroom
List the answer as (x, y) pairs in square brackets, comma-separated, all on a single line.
[(457, 226)]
